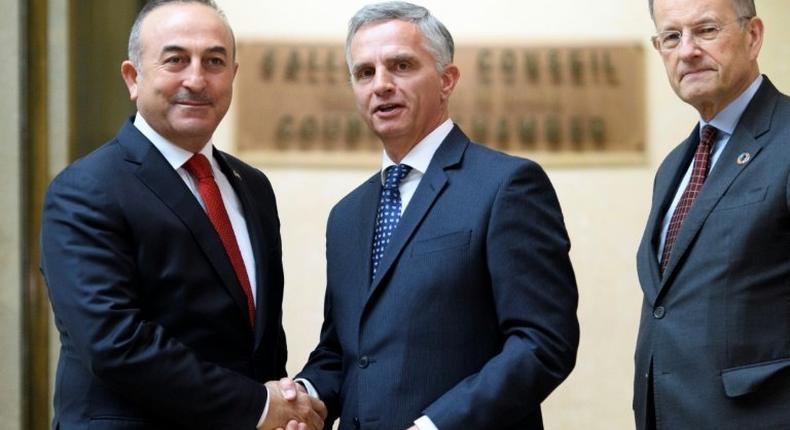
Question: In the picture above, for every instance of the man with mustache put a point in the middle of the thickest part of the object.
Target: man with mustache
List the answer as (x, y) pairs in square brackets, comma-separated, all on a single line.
[(162, 254), (713, 350), (450, 298)]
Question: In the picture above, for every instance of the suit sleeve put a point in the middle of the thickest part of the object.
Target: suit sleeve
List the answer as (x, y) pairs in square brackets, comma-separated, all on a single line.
[(88, 261), (787, 190), (535, 296), (324, 368)]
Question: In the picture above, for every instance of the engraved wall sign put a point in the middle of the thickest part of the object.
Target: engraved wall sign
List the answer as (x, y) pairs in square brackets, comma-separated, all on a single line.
[(563, 104)]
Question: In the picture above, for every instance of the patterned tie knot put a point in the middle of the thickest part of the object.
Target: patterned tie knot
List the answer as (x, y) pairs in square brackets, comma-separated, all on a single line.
[(708, 134), (704, 150), (199, 167), (394, 175)]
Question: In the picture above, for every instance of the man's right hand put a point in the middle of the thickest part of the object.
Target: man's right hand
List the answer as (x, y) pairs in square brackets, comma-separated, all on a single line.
[(295, 405), (289, 388)]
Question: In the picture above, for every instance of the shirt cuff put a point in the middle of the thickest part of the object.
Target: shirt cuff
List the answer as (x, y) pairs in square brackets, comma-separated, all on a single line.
[(265, 409), (310, 388), (425, 423)]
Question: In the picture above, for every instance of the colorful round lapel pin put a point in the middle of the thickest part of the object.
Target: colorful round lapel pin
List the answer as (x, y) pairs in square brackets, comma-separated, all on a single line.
[(743, 158)]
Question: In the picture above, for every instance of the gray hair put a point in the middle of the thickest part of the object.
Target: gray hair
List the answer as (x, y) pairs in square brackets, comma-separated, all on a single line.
[(134, 35), (438, 40), (743, 8)]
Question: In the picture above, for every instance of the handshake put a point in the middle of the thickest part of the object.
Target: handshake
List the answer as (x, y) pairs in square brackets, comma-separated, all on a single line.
[(291, 408)]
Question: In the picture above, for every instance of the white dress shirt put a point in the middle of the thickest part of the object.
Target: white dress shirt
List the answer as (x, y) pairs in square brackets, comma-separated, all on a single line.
[(725, 122)]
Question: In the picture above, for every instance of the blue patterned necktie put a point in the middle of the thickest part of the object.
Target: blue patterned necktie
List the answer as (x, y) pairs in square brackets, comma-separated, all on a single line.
[(389, 212)]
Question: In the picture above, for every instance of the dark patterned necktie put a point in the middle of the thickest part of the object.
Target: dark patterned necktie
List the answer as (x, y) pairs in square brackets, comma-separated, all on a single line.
[(388, 213), (698, 175)]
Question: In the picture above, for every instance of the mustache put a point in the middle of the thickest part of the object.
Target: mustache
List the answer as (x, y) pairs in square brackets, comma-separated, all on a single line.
[(186, 96)]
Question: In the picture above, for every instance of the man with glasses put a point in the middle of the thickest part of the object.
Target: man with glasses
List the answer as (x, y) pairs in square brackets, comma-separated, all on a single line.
[(714, 264)]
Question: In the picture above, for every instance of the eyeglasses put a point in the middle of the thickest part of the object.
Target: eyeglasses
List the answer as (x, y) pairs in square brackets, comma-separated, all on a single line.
[(669, 40)]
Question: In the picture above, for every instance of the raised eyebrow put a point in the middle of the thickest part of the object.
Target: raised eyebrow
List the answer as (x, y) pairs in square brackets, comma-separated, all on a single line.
[(180, 50), (401, 58), (217, 50), (173, 48), (671, 27), (705, 20)]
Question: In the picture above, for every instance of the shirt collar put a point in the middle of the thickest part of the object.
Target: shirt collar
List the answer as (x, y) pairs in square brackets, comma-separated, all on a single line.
[(726, 120), (419, 157), (175, 155)]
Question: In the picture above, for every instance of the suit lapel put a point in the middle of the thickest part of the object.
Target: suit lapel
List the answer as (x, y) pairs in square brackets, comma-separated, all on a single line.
[(431, 185), (258, 241), (665, 190), (368, 206), (360, 235), (154, 171), (756, 121)]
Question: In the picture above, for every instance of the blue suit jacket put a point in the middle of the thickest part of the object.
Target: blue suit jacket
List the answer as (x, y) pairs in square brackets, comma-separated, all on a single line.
[(471, 318), (715, 328), (151, 317)]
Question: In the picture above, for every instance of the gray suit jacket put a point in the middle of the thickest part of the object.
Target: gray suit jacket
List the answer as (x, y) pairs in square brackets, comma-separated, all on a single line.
[(715, 328)]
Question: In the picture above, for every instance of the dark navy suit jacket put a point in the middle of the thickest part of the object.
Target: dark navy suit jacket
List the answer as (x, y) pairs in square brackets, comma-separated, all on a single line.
[(715, 328), (152, 319), (471, 318)]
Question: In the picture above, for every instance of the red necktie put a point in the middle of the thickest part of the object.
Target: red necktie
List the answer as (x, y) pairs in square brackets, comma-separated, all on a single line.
[(199, 167), (698, 174)]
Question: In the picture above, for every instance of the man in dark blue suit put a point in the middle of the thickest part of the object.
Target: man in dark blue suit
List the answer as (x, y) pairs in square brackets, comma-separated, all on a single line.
[(162, 254), (713, 350), (451, 301)]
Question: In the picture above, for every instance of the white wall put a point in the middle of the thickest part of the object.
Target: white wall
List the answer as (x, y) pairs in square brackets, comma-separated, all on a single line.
[(605, 207)]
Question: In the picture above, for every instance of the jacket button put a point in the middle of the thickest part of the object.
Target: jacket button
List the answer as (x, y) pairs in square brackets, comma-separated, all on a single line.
[(356, 422), (659, 312), (364, 361)]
